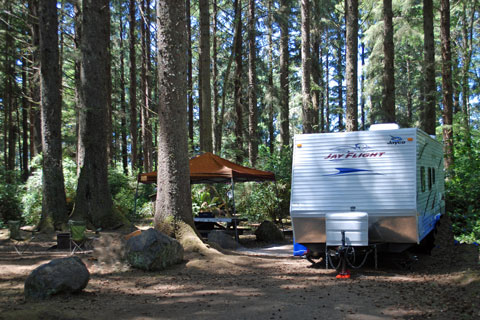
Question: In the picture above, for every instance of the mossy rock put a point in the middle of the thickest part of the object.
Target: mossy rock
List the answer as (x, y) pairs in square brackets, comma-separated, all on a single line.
[(269, 232)]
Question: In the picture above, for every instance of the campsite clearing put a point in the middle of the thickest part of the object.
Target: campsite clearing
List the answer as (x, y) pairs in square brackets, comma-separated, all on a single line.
[(239, 285)]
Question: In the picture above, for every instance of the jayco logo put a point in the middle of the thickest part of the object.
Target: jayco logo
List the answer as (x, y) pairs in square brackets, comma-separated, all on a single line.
[(396, 140)]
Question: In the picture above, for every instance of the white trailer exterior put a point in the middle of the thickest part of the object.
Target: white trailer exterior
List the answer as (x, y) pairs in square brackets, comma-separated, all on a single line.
[(396, 176)]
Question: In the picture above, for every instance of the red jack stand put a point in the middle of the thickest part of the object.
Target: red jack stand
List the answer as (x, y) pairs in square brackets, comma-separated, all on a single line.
[(343, 275)]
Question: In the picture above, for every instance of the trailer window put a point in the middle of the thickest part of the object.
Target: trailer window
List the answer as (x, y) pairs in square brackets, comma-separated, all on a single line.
[(422, 178), (430, 178)]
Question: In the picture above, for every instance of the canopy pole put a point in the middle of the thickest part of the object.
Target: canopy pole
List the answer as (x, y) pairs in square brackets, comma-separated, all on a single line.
[(234, 211), (277, 201), (233, 196)]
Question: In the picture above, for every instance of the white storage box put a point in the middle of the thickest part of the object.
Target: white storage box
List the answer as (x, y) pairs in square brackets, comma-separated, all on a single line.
[(355, 225)]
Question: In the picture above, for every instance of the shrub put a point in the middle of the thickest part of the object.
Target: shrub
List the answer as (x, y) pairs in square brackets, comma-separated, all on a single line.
[(31, 195), (267, 200), (9, 203), (463, 188), (124, 188)]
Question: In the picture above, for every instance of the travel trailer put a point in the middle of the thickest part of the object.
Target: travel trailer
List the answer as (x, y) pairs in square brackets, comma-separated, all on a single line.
[(383, 187)]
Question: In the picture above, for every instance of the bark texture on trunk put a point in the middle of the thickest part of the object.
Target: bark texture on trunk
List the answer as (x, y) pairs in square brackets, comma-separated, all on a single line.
[(447, 87), (284, 81), (173, 205), (147, 140), (189, 73), (123, 104), (35, 125), (216, 97), (252, 87), (204, 78), (351, 7), (133, 89), (340, 78), (307, 109), (108, 73), (94, 201), (427, 116), (25, 108), (270, 94), (54, 208), (238, 81), (388, 104)]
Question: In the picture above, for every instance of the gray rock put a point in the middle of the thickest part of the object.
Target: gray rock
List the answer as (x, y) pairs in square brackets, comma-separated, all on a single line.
[(153, 250), (268, 232), (222, 238), (64, 275)]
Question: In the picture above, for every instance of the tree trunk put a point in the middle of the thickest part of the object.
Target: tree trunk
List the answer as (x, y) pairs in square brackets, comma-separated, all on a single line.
[(108, 73), (226, 82), (327, 93), (35, 125), (8, 94), (94, 201), (388, 104), (252, 87), (316, 64), (362, 94), (270, 108), (428, 118), (54, 207), (189, 74), (133, 89), (204, 78), (216, 102), (145, 79), (307, 109), (238, 81), (123, 103), (340, 109), (351, 17), (410, 93), (173, 213), (467, 51), (447, 100), (25, 107), (284, 82)]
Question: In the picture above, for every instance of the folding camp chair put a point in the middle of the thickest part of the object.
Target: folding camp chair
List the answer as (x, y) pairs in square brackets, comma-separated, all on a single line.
[(20, 244), (78, 238)]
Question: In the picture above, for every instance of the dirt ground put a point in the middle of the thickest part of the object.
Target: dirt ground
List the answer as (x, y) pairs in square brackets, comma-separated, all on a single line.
[(241, 285)]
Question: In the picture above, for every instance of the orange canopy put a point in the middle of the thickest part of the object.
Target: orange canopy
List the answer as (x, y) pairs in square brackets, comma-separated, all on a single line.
[(209, 168)]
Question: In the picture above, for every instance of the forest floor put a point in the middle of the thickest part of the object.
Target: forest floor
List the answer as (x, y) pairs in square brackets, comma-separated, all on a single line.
[(245, 285)]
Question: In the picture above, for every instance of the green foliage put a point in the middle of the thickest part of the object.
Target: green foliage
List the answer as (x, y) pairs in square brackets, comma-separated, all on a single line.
[(206, 198), (9, 203), (123, 189), (463, 188), (31, 195), (267, 200), (32, 198)]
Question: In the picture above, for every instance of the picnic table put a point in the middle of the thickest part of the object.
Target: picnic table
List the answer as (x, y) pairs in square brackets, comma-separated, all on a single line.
[(206, 224)]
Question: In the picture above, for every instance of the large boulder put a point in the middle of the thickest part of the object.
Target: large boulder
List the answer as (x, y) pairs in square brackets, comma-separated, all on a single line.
[(268, 232), (153, 250), (64, 275), (222, 238)]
